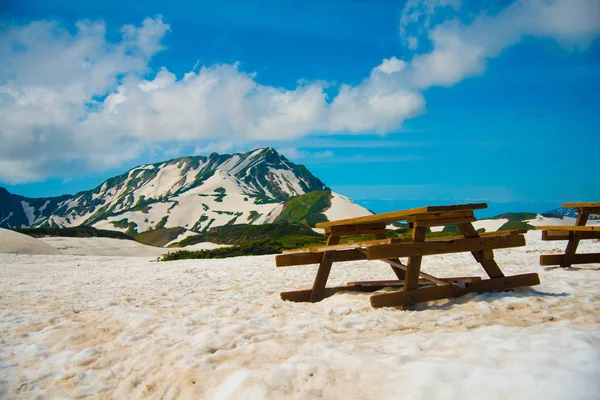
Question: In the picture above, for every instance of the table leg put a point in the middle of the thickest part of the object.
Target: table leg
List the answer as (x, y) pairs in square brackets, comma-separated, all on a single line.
[(484, 257), (411, 280), (574, 239), (400, 274), (318, 289)]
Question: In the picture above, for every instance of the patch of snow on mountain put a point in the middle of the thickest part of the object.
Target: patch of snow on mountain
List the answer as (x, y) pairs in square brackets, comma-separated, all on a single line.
[(101, 192), (229, 164), (288, 181), (162, 184), (42, 208), (29, 212), (222, 179), (245, 163), (10, 214), (342, 207), (144, 167), (265, 190), (269, 217), (187, 208), (190, 176), (144, 221), (70, 220), (72, 203)]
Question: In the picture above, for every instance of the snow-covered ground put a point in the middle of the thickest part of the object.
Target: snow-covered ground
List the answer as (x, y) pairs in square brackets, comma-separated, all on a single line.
[(115, 327), (101, 246), (17, 243)]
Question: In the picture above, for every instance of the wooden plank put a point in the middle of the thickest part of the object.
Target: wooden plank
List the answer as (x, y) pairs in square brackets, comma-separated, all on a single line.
[(558, 259), (482, 234), (363, 244), (443, 246), (575, 238), (409, 297), (440, 215), (561, 235), (443, 222), (569, 228), (441, 218), (345, 246), (288, 260), (413, 269), (323, 271), (303, 296), (398, 215), (486, 256), (404, 298), (388, 283), (503, 283), (581, 204), (364, 229)]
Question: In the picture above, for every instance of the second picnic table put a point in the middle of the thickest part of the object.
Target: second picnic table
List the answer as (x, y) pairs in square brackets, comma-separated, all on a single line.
[(573, 234), (415, 286)]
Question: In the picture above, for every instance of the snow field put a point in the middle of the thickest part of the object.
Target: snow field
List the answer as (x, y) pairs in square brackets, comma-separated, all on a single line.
[(342, 207), (75, 326)]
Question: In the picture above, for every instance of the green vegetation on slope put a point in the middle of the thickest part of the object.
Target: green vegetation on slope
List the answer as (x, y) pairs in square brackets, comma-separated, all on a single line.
[(516, 220), (242, 234), (306, 209), (159, 237), (254, 248), (515, 225)]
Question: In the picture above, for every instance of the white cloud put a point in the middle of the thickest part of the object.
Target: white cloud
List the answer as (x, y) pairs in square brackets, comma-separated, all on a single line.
[(461, 49), (76, 101), (391, 65)]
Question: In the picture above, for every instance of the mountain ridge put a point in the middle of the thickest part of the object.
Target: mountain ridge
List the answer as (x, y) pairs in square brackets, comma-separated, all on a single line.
[(192, 192)]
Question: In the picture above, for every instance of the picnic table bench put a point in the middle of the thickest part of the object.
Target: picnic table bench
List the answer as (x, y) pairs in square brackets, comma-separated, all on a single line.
[(415, 285), (573, 234)]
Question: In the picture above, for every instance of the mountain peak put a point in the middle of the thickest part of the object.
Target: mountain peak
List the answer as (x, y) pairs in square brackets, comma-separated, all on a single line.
[(261, 176)]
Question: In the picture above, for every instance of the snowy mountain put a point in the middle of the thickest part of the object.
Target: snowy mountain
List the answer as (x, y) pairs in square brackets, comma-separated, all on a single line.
[(195, 193)]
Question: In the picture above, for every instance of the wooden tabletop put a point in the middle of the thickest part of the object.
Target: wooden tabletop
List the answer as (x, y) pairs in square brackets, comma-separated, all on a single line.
[(582, 205), (395, 216)]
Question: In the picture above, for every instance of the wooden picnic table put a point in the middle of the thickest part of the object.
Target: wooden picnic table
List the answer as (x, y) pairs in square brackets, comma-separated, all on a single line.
[(573, 234), (415, 286)]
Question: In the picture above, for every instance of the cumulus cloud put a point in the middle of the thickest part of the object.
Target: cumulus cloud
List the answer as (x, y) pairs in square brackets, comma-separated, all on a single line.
[(75, 99), (72, 98), (458, 46)]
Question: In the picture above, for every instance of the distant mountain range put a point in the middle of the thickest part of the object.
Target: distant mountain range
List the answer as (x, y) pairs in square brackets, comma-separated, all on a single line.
[(194, 193)]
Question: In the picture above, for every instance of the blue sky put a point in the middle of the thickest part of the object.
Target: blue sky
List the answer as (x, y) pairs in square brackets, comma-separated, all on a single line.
[(392, 103)]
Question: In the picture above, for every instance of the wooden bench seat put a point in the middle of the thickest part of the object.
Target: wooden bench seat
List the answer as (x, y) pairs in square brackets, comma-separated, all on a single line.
[(562, 235), (569, 228)]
